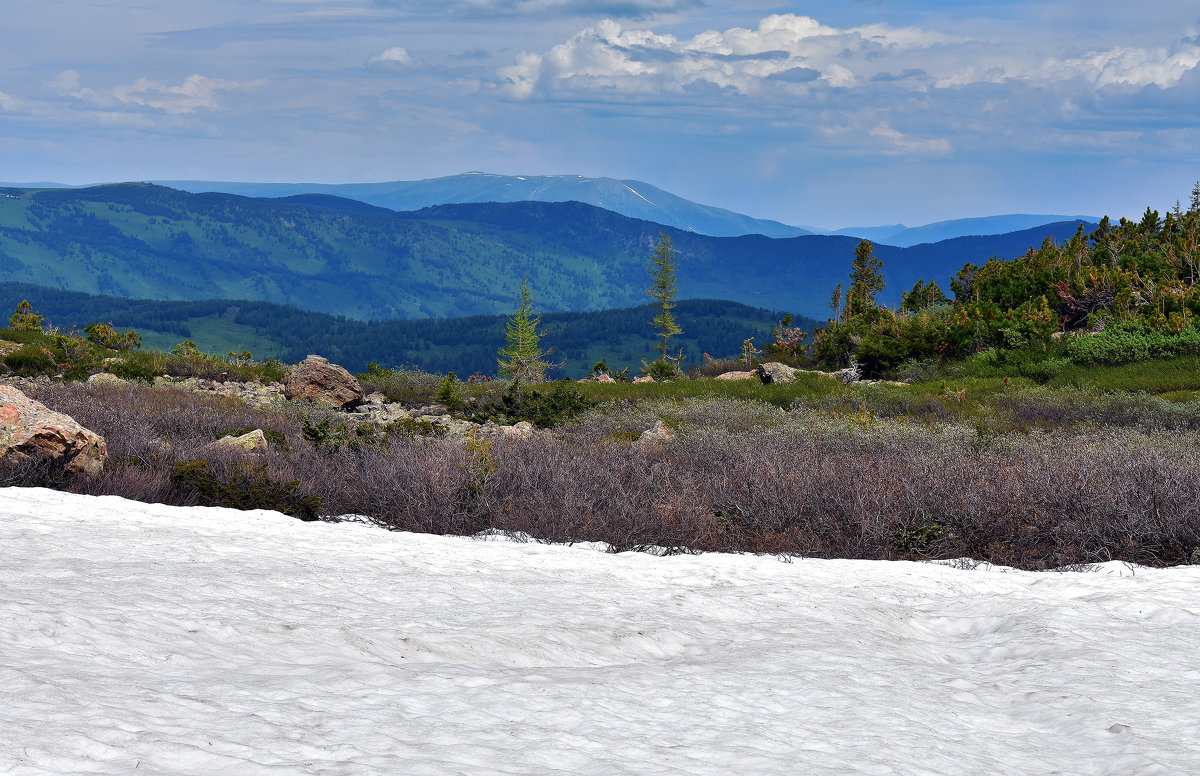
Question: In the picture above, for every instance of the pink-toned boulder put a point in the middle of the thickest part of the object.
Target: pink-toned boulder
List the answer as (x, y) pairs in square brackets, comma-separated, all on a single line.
[(317, 380), (29, 429), (736, 376)]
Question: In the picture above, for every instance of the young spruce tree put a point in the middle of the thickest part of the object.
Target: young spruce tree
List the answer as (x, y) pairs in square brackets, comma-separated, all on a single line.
[(522, 357), (664, 286), (865, 280)]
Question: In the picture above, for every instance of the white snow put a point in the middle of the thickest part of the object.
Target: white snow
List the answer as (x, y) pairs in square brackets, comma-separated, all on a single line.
[(626, 185), (159, 640)]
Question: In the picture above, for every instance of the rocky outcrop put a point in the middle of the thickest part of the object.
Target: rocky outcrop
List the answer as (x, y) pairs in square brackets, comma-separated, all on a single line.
[(736, 376), (317, 380), (29, 429), (775, 372), (256, 394)]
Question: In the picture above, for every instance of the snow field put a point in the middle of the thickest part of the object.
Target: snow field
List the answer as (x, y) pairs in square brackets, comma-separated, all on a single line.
[(209, 641)]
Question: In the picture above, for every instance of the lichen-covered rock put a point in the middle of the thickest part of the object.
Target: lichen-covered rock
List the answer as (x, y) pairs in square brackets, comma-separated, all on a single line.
[(104, 378), (775, 372), (643, 379), (519, 430), (30, 429), (253, 441), (658, 435), (736, 376), (315, 379)]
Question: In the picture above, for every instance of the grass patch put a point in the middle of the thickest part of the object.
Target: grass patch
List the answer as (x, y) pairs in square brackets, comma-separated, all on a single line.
[(1159, 377)]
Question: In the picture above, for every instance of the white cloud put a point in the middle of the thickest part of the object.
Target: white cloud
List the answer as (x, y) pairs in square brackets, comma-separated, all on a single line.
[(1135, 67), (898, 143), (195, 92), (9, 104), (394, 58), (606, 58), (605, 61)]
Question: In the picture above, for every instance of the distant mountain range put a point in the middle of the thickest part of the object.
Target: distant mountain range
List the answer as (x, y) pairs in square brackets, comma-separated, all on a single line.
[(344, 257), (904, 236), (634, 199)]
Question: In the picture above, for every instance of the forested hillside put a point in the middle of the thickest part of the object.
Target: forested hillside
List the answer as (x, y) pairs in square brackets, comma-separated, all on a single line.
[(344, 257), (620, 337)]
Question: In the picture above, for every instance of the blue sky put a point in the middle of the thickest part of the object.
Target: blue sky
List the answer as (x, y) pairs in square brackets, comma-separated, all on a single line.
[(830, 113)]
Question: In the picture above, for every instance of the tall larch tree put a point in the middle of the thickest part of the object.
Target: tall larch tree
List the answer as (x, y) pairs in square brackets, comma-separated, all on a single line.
[(522, 358), (664, 285)]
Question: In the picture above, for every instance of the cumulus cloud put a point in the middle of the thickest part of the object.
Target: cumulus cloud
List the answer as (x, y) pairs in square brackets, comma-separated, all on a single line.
[(1134, 67), (394, 58), (611, 8), (786, 50), (798, 55)]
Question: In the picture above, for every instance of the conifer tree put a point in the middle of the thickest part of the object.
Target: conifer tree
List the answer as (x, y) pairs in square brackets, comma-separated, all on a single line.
[(664, 286), (25, 318), (865, 280), (522, 357)]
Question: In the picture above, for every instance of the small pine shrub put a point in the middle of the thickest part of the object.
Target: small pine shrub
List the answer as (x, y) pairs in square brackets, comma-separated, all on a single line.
[(31, 361), (25, 318), (544, 410), (105, 335), (138, 367), (662, 370), (243, 486), (448, 394)]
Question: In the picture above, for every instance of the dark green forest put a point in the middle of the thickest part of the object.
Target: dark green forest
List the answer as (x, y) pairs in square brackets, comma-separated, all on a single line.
[(621, 337)]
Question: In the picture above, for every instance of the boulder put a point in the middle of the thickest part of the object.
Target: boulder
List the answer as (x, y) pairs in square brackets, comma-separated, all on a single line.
[(520, 430), (600, 378), (104, 378), (736, 376), (254, 441), (315, 379), (660, 434), (30, 429), (643, 379), (775, 372)]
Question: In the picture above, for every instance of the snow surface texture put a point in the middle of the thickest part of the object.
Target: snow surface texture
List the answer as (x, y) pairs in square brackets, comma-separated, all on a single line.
[(209, 641)]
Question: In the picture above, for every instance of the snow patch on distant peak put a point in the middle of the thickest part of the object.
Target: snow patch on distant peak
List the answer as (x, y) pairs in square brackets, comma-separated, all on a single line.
[(626, 185)]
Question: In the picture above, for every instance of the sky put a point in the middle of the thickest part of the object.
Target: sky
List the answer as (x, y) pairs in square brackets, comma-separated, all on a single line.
[(827, 113)]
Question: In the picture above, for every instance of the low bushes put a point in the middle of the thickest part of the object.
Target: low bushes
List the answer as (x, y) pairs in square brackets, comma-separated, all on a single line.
[(1031, 478)]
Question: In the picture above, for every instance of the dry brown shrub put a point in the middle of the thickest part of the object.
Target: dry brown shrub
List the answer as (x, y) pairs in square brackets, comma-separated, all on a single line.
[(739, 477)]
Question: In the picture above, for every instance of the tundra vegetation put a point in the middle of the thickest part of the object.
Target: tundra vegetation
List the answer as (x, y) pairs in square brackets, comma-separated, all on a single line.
[(1047, 415)]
